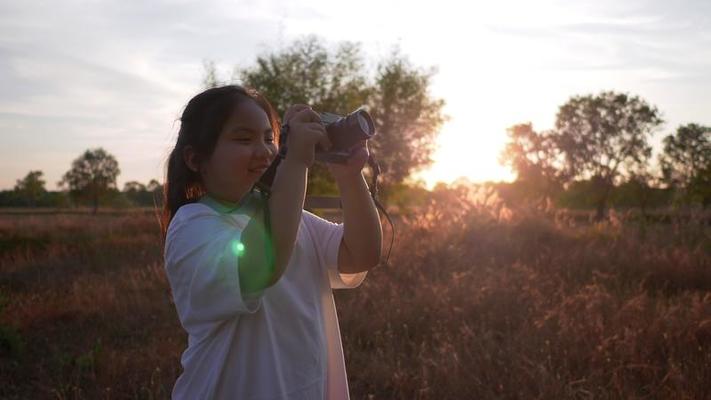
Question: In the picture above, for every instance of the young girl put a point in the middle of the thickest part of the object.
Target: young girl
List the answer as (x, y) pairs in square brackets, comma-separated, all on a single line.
[(254, 293)]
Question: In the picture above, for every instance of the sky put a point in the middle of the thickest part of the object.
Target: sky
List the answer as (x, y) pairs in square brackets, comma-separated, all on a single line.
[(116, 74)]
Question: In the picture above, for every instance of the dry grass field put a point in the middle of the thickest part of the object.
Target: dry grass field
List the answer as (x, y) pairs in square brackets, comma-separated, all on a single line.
[(475, 303)]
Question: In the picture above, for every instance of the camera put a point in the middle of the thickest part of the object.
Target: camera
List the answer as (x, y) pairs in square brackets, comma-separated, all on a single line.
[(343, 132)]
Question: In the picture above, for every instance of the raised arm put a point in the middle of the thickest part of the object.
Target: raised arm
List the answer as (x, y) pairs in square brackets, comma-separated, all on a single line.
[(286, 201), (361, 246)]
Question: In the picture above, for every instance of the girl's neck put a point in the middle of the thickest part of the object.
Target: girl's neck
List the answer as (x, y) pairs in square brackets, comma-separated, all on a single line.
[(226, 204)]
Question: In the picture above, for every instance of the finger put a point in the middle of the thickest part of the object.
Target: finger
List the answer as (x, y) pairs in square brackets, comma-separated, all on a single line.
[(306, 115), (325, 142), (316, 126), (358, 153), (358, 160), (319, 136), (359, 144), (293, 110)]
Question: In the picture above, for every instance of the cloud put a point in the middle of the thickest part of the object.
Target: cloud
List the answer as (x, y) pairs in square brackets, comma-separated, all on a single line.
[(78, 75)]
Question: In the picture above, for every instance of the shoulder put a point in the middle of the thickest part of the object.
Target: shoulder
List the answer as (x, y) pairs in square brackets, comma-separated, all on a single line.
[(196, 223), (307, 217), (190, 212), (193, 210), (315, 223), (319, 229), (203, 214)]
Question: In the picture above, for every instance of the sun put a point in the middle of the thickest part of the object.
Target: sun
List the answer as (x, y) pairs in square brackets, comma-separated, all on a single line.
[(462, 153)]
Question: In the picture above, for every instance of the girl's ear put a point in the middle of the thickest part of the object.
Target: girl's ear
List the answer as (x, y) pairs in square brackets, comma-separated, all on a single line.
[(190, 158)]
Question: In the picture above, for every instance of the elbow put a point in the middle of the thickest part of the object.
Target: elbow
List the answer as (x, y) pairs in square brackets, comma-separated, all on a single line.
[(353, 262), (370, 262), (359, 265), (374, 261), (372, 258)]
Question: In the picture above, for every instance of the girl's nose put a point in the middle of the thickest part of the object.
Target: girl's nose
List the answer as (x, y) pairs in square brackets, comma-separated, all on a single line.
[(266, 150)]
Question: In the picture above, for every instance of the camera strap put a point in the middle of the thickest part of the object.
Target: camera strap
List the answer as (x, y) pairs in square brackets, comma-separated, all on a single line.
[(375, 167)]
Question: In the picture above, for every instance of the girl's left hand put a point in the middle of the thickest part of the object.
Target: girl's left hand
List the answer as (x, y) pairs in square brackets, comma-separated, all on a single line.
[(355, 163)]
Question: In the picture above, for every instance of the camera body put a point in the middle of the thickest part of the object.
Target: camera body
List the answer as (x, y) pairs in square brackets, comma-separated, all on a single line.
[(343, 132)]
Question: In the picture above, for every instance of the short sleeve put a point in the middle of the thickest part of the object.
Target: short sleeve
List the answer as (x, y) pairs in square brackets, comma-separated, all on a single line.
[(201, 261), (327, 238)]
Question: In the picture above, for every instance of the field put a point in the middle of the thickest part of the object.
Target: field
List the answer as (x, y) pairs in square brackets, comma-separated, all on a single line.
[(475, 302)]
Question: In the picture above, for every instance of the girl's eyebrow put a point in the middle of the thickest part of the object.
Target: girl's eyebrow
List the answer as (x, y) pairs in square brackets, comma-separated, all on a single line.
[(244, 128)]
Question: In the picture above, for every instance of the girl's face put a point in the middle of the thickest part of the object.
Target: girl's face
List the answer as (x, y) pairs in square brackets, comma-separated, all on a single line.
[(244, 150)]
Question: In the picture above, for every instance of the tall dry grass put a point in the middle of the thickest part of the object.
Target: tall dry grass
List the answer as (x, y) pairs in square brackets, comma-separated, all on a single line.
[(89, 299), (476, 302), (522, 307)]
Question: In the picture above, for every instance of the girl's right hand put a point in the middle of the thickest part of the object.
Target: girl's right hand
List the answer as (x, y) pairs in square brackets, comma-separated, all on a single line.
[(305, 132)]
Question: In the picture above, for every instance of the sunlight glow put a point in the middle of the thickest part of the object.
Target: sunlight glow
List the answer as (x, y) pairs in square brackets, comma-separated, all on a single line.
[(237, 248)]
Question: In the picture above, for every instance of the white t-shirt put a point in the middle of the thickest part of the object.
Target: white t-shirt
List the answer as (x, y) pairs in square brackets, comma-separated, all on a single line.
[(282, 343)]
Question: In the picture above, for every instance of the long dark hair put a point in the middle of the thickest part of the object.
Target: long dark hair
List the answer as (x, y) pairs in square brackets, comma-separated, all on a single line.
[(200, 125)]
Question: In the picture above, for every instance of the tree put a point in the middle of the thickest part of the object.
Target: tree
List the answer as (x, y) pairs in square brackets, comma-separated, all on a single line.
[(134, 192), (93, 175), (139, 194), (636, 192), (31, 187), (686, 162), (599, 135), (306, 72), (406, 118), (156, 190), (534, 158), (210, 80), (134, 186), (154, 186)]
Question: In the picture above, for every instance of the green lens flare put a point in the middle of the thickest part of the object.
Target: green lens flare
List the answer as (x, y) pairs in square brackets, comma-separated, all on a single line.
[(237, 248)]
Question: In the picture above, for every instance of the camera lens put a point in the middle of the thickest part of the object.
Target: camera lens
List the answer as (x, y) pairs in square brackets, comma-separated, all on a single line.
[(363, 123)]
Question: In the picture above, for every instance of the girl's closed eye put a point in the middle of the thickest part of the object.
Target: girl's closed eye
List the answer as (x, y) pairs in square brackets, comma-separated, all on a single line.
[(248, 139)]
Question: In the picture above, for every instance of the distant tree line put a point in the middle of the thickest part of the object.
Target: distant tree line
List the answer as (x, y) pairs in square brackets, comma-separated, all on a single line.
[(89, 182), (598, 155)]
